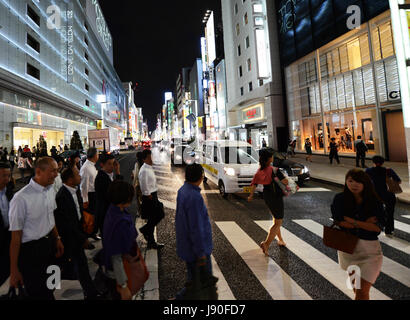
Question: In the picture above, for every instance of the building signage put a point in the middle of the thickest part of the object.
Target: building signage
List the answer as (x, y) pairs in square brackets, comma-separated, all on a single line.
[(210, 39), (252, 113), (67, 43), (99, 27)]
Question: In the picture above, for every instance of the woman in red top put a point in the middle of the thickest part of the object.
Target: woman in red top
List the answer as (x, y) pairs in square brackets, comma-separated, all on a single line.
[(272, 194)]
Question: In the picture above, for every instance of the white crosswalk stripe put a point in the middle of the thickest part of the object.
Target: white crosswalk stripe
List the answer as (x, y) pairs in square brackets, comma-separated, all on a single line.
[(407, 217), (401, 226), (391, 268), (224, 292), (313, 190), (276, 281), (318, 261)]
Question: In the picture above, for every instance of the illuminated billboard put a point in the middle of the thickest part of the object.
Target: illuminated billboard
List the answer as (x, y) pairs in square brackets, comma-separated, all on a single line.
[(210, 39), (100, 28)]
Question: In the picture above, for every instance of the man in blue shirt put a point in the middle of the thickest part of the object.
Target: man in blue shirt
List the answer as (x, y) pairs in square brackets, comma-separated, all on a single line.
[(193, 227)]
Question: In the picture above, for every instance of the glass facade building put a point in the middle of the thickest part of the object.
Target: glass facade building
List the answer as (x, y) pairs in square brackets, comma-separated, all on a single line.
[(347, 88), (53, 68)]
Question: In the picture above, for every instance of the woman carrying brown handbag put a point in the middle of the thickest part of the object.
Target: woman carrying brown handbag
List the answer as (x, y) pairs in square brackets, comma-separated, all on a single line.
[(360, 211)]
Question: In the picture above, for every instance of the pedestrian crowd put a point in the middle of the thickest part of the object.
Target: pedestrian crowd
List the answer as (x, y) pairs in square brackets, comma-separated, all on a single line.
[(43, 223)]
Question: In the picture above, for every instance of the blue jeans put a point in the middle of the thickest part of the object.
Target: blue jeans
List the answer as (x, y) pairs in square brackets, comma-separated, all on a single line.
[(190, 269)]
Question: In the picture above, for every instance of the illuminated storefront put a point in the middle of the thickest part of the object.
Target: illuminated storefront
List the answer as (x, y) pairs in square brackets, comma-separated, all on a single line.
[(348, 88)]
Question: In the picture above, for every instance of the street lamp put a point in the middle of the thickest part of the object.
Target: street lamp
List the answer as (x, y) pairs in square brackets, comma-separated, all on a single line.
[(101, 98)]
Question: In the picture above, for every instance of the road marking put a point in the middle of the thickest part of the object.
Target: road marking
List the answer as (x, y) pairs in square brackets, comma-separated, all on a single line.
[(314, 190), (407, 217), (224, 292), (391, 268), (151, 287), (401, 226), (275, 280), (321, 263), (168, 204)]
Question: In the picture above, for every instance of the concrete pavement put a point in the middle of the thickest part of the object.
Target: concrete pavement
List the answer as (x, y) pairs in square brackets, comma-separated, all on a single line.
[(321, 170)]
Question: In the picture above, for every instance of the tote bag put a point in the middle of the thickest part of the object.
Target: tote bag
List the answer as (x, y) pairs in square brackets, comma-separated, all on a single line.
[(136, 270), (339, 239)]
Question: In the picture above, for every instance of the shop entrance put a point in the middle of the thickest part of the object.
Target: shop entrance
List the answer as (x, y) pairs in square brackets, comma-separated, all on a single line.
[(395, 136), (30, 137)]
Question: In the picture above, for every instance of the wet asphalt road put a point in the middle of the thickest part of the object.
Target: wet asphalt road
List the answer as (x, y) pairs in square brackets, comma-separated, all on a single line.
[(242, 281)]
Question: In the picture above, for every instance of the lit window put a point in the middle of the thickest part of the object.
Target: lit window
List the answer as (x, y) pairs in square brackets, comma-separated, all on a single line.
[(353, 50), (259, 21), (257, 8)]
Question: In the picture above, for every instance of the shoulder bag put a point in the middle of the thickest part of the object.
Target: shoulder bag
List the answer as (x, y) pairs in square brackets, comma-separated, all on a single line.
[(88, 222), (136, 270), (393, 185), (339, 239)]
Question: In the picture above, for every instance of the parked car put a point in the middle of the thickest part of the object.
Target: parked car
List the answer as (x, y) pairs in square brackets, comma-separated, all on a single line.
[(296, 171)]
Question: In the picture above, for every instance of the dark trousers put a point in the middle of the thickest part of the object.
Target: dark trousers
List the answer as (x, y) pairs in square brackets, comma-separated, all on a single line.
[(5, 257), (190, 266), (81, 264), (390, 201), (34, 259), (154, 213), (92, 203), (334, 155), (360, 158)]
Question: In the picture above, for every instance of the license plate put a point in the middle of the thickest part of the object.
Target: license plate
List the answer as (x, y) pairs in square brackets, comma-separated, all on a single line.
[(247, 189)]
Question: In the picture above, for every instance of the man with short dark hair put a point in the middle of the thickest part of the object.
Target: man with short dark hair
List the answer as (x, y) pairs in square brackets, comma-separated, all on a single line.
[(151, 208), (88, 174), (34, 233), (110, 171), (6, 194), (192, 224), (69, 218)]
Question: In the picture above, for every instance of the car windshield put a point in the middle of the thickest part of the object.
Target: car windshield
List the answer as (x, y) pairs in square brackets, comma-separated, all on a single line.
[(239, 155)]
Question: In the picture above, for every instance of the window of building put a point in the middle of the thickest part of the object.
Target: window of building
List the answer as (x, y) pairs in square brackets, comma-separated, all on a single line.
[(239, 51), (238, 30), (33, 15), (85, 26), (245, 19), (250, 86), (386, 40), (86, 56), (257, 8), (355, 59), (240, 71), (87, 72), (87, 103), (86, 41), (259, 21), (241, 91), (364, 49), (260, 82), (249, 64), (236, 8), (33, 43), (247, 42), (87, 87), (33, 71)]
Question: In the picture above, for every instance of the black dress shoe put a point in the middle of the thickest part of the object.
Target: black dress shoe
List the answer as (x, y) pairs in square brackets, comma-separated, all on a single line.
[(155, 245), (142, 230)]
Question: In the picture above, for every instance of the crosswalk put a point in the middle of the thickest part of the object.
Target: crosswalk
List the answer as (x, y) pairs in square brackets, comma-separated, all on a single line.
[(279, 284)]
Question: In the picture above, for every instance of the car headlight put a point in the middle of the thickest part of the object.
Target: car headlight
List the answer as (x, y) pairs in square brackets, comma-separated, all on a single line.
[(230, 171), (305, 170)]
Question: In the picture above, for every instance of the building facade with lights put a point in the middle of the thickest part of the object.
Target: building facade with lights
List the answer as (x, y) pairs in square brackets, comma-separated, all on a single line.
[(56, 72), (255, 103), (342, 80)]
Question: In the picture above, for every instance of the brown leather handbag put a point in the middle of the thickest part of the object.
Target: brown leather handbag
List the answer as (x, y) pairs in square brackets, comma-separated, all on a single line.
[(339, 239), (393, 185)]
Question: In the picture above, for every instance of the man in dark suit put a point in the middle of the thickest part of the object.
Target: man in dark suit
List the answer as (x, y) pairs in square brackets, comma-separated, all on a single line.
[(6, 194), (69, 219), (110, 171)]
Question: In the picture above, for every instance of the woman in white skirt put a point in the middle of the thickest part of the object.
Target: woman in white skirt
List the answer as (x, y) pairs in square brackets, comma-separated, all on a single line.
[(360, 211)]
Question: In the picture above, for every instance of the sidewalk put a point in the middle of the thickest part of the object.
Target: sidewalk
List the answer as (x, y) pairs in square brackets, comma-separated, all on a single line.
[(321, 170)]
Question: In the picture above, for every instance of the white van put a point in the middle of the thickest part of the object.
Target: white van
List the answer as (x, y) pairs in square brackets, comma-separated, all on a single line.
[(231, 165)]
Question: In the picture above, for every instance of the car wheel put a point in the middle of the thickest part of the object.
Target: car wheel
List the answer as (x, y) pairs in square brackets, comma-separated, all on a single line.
[(222, 190)]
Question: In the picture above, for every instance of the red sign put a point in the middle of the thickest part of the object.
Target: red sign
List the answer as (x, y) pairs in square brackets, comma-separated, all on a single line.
[(251, 114)]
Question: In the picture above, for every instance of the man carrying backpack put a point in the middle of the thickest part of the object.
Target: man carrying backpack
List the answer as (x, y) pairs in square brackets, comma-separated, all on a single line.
[(361, 150)]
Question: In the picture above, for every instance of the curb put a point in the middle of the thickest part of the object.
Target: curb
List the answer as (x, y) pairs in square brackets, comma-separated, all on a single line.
[(340, 185)]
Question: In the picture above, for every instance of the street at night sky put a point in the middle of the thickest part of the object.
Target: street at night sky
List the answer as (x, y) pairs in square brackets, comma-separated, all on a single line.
[(153, 41)]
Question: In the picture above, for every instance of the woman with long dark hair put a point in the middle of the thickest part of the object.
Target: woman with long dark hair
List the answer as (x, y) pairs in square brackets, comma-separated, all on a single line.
[(360, 211), (270, 177)]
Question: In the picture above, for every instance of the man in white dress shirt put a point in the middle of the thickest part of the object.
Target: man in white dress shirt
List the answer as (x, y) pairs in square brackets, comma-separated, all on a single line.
[(88, 174), (151, 208), (34, 234)]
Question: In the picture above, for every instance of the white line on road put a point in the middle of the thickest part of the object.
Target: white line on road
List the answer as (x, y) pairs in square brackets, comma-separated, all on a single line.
[(275, 280), (401, 226), (168, 204), (391, 268), (321, 263), (407, 217), (314, 190), (224, 292)]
